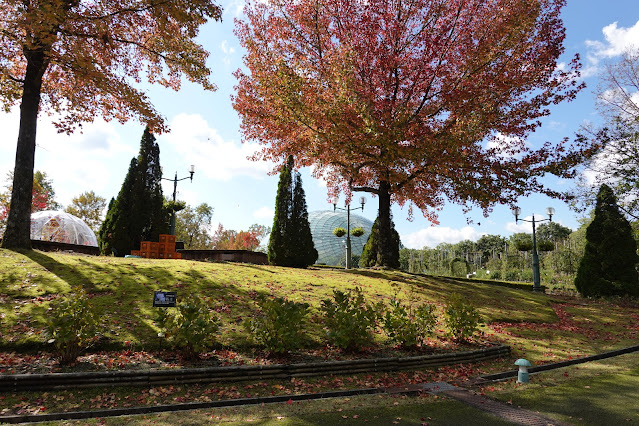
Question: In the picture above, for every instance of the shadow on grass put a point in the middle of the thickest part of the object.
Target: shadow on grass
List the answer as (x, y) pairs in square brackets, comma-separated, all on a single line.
[(72, 276)]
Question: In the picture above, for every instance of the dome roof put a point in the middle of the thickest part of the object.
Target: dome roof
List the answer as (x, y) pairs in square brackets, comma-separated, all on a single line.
[(61, 227), (331, 249)]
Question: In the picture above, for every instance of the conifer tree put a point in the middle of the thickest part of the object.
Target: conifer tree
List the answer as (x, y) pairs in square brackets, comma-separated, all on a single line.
[(291, 242), (138, 213), (608, 267), (278, 246), (302, 248), (153, 219), (370, 254)]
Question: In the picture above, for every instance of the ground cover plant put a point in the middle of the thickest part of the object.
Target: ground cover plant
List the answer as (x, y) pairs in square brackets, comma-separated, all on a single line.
[(542, 328)]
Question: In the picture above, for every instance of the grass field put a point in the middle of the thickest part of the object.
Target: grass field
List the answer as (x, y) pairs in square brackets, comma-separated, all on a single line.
[(122, 290), (540, 327)]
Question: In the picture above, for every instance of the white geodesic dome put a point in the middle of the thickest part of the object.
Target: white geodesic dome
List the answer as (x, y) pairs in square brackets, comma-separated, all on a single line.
[(61, 227)]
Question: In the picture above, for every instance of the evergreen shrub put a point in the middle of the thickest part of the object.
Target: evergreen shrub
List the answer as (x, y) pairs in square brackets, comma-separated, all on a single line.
[(191, 329), (461, 317), (408, 326), (349, 320), (608, 266), (72, 325), (279, 325)]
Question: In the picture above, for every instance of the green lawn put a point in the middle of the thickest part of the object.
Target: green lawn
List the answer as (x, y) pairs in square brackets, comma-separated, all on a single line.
[(122, 289), (542, 328), (365, 410), (604, 392)]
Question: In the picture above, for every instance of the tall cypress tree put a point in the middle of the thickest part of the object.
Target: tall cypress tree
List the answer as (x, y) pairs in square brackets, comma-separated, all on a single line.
[(303, 249), (370, 253), (137, 214), (278, 245), (608, 267), (153, 216)]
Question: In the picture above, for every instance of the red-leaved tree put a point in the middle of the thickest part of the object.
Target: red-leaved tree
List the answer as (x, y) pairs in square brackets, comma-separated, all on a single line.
[(82, 58), (228, 239), (418, 102)]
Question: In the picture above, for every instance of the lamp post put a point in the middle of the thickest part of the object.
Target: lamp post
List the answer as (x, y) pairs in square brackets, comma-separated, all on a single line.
[(175, 181), (348, 209), (535, 256)]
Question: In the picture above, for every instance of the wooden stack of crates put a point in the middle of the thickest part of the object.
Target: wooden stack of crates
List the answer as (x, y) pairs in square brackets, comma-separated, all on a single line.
[(164, 249)]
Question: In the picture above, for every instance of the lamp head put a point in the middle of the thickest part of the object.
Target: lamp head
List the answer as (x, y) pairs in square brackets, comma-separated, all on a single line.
[(335, 200), (362, 201), (516, 212), (550, 211), (192, 170)]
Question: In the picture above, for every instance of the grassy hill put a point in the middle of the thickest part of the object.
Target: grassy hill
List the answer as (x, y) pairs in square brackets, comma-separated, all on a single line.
[(538, 326), (122, 289)]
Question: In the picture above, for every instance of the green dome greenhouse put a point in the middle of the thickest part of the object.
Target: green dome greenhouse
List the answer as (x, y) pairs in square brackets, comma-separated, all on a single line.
[(332, 249)]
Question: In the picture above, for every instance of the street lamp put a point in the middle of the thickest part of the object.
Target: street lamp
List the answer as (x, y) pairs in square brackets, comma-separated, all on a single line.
[(535, 256), (348, 209), (175, 181)]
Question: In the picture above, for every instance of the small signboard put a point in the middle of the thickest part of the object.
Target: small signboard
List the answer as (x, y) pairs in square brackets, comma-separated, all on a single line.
[(164, 299)]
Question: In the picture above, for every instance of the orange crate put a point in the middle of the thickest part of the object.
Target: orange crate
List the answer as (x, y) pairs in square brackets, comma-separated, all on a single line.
[(155, 246), (145, 246), (166, 238), (135, 252), (177, 256), (153, 255), (161, 255), (162, 247), (169, 247), (144, 253)]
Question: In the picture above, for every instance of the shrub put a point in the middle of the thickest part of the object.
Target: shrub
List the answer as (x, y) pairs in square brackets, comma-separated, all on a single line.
[(72, 325), (406, 326), (191, 328), (279, 325), (461, 317), (608, 266), (349, 320)]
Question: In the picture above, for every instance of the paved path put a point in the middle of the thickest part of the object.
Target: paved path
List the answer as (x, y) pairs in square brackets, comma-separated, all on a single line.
[(505, 411)]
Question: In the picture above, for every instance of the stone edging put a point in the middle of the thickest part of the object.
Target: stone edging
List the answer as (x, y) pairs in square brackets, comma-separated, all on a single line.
[(154, 377)]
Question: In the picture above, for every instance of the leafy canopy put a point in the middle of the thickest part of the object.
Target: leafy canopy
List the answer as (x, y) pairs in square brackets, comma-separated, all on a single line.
[(424, 100), (96, 53)]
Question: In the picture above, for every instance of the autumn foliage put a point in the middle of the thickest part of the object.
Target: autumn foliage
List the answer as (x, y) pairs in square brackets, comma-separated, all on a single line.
[(81, 59), (419, 102), (228, 239)]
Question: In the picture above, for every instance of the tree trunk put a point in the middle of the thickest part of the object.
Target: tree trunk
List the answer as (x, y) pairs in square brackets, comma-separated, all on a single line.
[(384, 248), (18, 232)]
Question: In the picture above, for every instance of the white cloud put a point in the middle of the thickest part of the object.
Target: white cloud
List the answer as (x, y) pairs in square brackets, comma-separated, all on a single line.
[(235, 8), (203, 146), (75, 163), (435, 235), (228, 52), (264, 213), (617, 40)]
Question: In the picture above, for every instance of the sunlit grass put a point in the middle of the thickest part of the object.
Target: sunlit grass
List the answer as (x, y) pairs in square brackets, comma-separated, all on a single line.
[(122, 291)]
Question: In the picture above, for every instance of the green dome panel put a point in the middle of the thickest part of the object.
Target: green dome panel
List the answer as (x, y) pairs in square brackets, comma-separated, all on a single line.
[(331, 249)]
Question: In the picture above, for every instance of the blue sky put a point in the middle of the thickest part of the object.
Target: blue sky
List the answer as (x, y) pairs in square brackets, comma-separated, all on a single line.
[(205, 132)]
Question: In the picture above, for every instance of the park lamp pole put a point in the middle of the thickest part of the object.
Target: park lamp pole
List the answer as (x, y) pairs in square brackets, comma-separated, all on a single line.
[(348, 209), (535, 256), (175, 181)]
